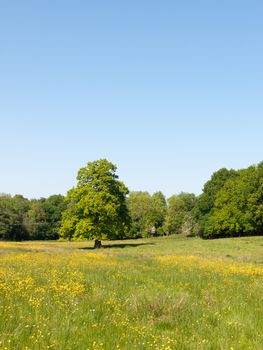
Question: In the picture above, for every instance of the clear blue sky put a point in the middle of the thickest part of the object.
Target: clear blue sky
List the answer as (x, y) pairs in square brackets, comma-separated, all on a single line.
[(169, 91)]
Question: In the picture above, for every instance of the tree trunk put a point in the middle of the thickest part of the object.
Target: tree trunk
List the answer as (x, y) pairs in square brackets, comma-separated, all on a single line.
[(97, 244)]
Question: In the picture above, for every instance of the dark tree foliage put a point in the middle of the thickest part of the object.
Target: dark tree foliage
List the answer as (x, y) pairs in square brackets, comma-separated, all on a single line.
[(158, 212), (238, 208), (22, 219), (206, 201), (44, 216), (12, 217), (232, 204), (53, 207)]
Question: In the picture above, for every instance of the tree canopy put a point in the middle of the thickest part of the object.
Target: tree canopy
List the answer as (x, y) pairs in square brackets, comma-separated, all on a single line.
[(238, 207), (147, 213), (206, 201), (21, 218), (179, 213), (96, 207), (99, 207)]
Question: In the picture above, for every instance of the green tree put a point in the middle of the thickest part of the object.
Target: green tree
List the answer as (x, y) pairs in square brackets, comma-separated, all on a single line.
[(139, 205), (36, 220), (238, 208), (179, 213), (206, 201), (53, 207), (147, 213), (42, 220), (96, 207), (158, 211), (12, 217)]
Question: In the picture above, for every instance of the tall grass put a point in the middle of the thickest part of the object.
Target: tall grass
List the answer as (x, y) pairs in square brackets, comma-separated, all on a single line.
[(163, 294)]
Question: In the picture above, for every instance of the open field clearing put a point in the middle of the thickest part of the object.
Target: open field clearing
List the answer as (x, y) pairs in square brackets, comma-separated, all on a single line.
[(163, 294)]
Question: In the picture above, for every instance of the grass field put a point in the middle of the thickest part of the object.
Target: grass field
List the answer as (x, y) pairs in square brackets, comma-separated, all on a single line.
[(163, 293)]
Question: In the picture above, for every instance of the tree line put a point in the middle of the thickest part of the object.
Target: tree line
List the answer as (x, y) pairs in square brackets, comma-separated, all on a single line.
[(100, 206), (36, 219)]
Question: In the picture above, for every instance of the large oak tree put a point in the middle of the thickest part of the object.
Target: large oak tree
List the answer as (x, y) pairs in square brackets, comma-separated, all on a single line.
[(96, 207)]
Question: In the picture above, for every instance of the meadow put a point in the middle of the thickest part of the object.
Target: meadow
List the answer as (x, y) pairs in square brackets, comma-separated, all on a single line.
[(159, 293)]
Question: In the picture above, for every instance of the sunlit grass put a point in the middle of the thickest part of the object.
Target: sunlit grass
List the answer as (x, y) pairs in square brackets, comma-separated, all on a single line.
[(168, 293)]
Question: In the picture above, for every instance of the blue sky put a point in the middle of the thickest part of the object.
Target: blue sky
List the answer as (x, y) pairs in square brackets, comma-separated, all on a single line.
[(169, 91)]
